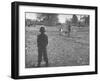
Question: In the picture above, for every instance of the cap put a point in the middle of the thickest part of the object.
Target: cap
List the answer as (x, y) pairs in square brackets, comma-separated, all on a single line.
[(42, 29)]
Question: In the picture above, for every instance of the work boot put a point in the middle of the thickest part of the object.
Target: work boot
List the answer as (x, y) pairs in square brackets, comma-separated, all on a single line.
[(38, 64), (46, 64)]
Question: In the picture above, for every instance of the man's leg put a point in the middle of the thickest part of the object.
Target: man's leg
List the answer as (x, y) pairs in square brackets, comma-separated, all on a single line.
[(45, 56), (39, 57)]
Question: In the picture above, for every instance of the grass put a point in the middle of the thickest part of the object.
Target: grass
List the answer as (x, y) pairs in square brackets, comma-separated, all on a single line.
[(62, 50)]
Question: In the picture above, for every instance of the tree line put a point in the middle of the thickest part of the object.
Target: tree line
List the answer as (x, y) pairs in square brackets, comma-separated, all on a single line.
[(52, 20)]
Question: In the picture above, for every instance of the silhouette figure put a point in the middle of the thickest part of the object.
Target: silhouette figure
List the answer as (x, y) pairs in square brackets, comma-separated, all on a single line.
[(69, 30), (42, 42)]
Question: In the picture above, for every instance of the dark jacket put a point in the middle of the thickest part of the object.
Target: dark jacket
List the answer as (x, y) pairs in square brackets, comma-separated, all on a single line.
[(42, 40)]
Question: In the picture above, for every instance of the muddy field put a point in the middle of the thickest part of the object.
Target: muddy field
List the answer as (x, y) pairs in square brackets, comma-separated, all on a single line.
[(62, 50)]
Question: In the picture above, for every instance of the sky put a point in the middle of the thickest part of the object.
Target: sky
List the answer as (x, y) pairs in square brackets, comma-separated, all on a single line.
[(62, 18), (32, 16)]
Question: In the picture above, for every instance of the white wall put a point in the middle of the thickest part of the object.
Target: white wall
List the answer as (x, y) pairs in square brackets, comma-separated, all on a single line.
[(5, 39)]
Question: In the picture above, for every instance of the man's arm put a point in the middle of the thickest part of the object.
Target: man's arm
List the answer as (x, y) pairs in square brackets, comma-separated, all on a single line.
[(37, 40), (46, 40)]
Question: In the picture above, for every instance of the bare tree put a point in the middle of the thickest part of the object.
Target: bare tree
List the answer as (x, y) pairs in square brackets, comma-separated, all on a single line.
[(74, 19), (48, 19)]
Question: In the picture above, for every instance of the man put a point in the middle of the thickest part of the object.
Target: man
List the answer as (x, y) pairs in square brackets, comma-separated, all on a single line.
[(42, 42), (69, 30)]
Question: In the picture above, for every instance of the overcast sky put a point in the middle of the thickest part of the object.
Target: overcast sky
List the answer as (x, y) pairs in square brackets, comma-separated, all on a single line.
[(62, 18)]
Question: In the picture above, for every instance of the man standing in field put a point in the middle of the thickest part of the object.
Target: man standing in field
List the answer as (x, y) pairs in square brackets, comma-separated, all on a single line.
[(69, 30), (42, 42)]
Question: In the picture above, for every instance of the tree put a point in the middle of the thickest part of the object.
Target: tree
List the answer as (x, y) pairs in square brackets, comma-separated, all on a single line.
[(74, 20), (86, 19), (48, 19), (28, 22)]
